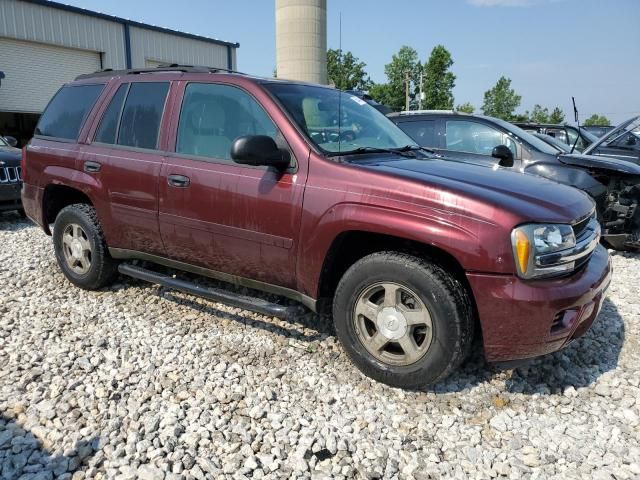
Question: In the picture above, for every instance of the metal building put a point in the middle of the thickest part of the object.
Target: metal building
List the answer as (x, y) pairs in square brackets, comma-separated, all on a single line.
[(44, 44), (301, 40)]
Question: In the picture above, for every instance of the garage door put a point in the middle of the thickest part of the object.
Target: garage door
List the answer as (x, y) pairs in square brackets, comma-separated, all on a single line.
[(34, 72)]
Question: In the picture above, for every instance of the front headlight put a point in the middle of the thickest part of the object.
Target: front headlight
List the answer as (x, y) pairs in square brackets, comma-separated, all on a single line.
[(534, 241)]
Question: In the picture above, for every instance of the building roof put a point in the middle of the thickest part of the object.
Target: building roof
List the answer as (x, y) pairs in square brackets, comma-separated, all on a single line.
[(112, 18)]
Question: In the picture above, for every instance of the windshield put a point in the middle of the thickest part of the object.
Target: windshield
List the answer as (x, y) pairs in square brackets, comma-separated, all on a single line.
[(338, 122), (554, 142), (527, 137), (3, 142)]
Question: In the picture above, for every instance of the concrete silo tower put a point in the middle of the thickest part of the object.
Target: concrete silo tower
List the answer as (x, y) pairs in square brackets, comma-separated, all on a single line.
[(301, 40)]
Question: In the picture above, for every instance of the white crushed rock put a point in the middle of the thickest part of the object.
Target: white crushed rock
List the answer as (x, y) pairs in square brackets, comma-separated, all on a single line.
[(140, 382)]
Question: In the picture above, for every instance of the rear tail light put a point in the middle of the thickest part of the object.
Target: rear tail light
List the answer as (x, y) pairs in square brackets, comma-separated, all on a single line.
[(23, 163)]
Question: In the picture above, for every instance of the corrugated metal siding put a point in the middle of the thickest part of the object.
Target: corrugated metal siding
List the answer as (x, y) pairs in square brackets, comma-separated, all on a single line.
[(147, 45), (29, 85), (26, 21)]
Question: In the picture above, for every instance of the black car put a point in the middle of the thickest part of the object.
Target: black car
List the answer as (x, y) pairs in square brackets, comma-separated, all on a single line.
[(10, 177), (622, 142), (565, 133), (598, 130), (614, 184)]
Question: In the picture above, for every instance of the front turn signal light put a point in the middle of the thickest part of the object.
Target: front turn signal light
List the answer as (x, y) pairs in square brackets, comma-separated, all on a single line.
[(523, 249)]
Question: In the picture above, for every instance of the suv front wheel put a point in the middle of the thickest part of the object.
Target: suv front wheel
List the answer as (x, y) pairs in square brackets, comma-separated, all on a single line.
[(81, 250), (403, 320)]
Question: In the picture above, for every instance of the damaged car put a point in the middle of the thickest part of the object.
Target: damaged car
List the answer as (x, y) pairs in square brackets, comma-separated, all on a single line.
[(610, 179), (623, 142)]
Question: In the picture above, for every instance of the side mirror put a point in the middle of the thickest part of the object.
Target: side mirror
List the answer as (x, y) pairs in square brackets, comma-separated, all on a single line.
[(258, 150), (11, 141), (505, 155)]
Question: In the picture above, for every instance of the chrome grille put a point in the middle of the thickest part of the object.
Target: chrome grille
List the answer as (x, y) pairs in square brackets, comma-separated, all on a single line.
[(586, 242), (10, 174), (580, 226)]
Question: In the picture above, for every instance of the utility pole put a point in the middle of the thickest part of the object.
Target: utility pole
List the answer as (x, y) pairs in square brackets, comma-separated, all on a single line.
[(421, 94), (406, 90)]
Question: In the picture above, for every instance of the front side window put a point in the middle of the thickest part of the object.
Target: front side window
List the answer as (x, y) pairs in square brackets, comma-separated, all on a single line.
[(338, 122), (422, 131), (214, 115), (108, 129), (67, 111), (474, 137), (142, 113)]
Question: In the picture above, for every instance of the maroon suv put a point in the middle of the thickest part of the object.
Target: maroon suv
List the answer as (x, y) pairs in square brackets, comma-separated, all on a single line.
[(312, 194)]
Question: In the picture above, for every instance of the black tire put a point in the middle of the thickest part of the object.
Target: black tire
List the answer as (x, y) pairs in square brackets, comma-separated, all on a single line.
[(445, 298), (103, 269), (22, 213)]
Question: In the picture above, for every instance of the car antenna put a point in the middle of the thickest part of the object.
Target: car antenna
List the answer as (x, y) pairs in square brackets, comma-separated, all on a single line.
[(575, 116), (339, 91)]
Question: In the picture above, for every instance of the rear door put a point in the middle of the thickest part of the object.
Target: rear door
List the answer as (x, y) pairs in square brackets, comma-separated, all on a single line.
[(214, 213), (124, 157)]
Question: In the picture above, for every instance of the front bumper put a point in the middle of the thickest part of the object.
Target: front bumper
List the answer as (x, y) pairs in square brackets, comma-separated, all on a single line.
[(525, 319), (10, 196)]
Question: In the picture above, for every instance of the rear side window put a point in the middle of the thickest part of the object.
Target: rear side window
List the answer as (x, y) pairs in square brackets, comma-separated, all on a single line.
[(67, 111), (142, 114), (423, 132), (108, 128)]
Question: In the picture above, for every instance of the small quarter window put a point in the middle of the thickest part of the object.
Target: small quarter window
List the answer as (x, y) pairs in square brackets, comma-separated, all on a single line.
[(142, 114), (108, 128), (67, 111)]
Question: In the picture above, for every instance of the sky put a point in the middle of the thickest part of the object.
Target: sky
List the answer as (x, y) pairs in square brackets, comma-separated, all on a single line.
[(551, 49)]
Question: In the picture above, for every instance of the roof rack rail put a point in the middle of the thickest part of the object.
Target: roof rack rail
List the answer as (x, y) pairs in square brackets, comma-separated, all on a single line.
[(173, 67)]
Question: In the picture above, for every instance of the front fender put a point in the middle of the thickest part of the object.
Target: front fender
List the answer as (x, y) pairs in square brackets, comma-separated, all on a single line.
[(476, 244), (573, 176)]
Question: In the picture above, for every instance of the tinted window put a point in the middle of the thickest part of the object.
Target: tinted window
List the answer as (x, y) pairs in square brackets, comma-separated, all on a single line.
[(473, 137), (109, 124), (213, 116), (66, 113), (423, 132), (142, 114)]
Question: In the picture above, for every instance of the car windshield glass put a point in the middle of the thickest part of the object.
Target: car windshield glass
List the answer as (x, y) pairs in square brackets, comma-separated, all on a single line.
[(3, 142), (338, 122), (527, 137), (629, 135), (554, 142)]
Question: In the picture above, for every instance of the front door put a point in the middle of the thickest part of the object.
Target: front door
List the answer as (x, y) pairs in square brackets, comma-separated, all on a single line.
[(473, 142), (214, 213)]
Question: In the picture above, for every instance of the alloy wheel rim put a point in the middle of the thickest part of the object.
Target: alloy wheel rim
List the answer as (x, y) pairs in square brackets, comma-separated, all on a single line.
[(76, 248), (392, 323)]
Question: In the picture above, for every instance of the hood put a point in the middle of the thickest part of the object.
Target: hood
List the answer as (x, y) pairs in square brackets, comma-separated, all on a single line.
[(611, 135), (10, 157), (527, 197), (600, 162)]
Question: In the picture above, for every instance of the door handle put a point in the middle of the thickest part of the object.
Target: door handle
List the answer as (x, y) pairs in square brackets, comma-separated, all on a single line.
[(91, 167), (179, 181)]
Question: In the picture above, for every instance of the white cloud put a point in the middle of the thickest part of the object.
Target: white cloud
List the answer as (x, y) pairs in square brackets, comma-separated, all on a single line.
[(500, 3)]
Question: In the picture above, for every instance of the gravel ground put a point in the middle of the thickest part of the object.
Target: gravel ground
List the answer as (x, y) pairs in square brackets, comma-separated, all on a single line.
[(140, 382)]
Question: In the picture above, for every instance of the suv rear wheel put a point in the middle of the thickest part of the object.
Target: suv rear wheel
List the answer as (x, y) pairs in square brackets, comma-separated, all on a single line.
[(403, 320), (81, 250)]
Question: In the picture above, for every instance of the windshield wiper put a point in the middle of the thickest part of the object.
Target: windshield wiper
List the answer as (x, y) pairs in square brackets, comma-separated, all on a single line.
[(402, 151)]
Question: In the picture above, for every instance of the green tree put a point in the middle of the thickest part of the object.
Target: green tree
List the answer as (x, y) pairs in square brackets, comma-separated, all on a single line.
[(466, 107), (539, 114), (557, 116), (392, 93), (501, 100), (597, 120), (438, 80), (346, 71)]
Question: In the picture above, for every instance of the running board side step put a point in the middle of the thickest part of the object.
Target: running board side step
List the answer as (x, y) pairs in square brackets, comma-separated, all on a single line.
[(245, 302)]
